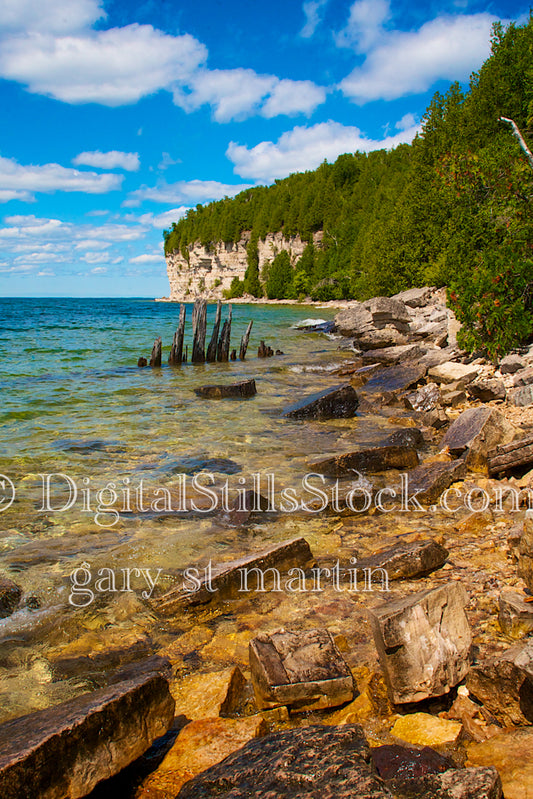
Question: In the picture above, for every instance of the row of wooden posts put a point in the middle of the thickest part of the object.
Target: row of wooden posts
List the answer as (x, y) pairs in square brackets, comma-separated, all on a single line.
[(218, 348)]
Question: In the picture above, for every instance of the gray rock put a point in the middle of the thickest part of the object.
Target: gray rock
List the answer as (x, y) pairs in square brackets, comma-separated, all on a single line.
[(475, 433), (10, 595), (406, 561), (303, 670), (353, 321), (503, 684), (387, 311), (524, 377), (395, 378), (429, 480), (423, 642), (308, 762), (235, 577), (338, 402), (515, 615), (380, 338), (241, 390), (521, 397), (66, 750), (437, 418), (464, 783), (426, 398), (511, 364), (414, 298), (406, 437), (374, 459), (406, 353), (452, 372), (453, 398), (487, 390)]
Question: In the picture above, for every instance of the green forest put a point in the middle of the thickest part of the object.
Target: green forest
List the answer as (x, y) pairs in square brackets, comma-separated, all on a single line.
[(452, 209)]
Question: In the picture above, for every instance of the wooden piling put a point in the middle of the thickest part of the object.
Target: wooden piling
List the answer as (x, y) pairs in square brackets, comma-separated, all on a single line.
[(224, 341), (155, 358), (199, 329), (244, 341), (212, 348), (176, 352)]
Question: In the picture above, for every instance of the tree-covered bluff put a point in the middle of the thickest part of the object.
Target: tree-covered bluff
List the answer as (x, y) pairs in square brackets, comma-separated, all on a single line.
[(454, 208)]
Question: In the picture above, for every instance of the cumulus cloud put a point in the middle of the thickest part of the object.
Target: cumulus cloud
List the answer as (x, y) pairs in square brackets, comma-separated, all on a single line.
[(408, 62), (305, 148), (113, 159), (190, 192), (147, 258), (19, 181), (293, 97), (58, 16), (313, 17), (365, 25)]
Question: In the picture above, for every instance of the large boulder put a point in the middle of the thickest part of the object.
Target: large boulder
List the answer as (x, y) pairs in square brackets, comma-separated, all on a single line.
[(423, 642), (503, 684), (353, 321), (66, 750), (414, 298), (338, 402), (475, 433)]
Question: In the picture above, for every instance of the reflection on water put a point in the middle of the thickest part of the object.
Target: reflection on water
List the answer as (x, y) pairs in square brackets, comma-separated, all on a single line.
[(73, 402)]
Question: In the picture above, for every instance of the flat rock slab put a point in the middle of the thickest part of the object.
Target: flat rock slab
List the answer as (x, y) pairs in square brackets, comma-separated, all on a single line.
[(486, 390), (517, 454), (414, 298), (309, 763), (429, 480), (374, 459), (423, 642), (395, 378), (521, 397), (515, 615), (10, 596), (511, 753), (338, 402), (243, 390), (394, 355), (203, 696), (304, 670), (403, 763), (66, 750), (511, 364), (406, 561), (354, 320), (229, 578), (464, 783), (503, 684), (452, 372), (423, 729), (426, 398), (475, 433), (377, 339)]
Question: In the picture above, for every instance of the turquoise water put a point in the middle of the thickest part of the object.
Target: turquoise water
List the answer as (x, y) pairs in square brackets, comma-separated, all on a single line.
[(74, 405)]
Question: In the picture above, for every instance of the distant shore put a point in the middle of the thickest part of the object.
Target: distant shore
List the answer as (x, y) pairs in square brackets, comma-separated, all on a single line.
[(263, 301)]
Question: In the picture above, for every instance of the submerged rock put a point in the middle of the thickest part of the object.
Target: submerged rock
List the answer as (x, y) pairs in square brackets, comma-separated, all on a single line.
[(10, 596), (406, 561), (201, 696), (338, 402), (241, 390), (309, 763), (429, 480), (423, 642), (396, 378), (511, 753), (66, 750), (374, 459), (304, 670)]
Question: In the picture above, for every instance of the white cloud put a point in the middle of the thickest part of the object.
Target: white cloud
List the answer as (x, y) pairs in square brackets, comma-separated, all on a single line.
[(112, 67), (313, 17), (112, 159), (57, 16), (95, 257), (236, 94), (365, 25), (20, 182), (191, 192), (403, 63), (407, 121), (165, 219), (147, 259), (305, 148), (99, 270)]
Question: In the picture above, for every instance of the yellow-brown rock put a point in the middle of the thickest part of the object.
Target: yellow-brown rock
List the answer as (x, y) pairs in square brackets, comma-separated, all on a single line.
[(199, 745), (203, 696), (422, 729), (511, 752)]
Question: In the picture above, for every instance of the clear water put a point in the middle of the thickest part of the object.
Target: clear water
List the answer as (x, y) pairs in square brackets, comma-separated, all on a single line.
[(74, 402)]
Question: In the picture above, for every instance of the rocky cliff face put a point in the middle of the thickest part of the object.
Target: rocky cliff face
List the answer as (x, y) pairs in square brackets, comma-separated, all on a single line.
[(210, 270)]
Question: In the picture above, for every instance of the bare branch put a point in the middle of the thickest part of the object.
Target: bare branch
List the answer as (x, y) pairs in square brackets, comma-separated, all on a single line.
[(520, 138)]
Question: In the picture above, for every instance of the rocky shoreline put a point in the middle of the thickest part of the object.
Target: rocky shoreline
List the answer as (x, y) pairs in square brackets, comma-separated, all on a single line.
[(408, 673)]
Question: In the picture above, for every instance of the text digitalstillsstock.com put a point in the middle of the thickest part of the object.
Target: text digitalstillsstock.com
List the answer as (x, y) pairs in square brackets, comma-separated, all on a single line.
[(57, 492)]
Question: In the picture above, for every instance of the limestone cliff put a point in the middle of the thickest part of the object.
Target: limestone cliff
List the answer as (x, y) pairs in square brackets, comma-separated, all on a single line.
[(210, 270)]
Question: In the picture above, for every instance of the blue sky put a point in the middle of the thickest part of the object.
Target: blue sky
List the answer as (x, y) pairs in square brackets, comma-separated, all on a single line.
[(119, 115)]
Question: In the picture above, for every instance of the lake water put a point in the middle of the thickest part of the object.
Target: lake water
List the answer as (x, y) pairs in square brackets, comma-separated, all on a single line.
[(78, 415)]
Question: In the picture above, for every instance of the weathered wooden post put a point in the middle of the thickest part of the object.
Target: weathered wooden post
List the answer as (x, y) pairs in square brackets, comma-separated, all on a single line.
[(199, 328), (176, 352), (212, 348), (224, 341), (155, 357), (244, 341)]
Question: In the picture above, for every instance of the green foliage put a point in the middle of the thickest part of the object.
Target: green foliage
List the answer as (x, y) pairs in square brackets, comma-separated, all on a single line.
[(454, 208), (236, 289)]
